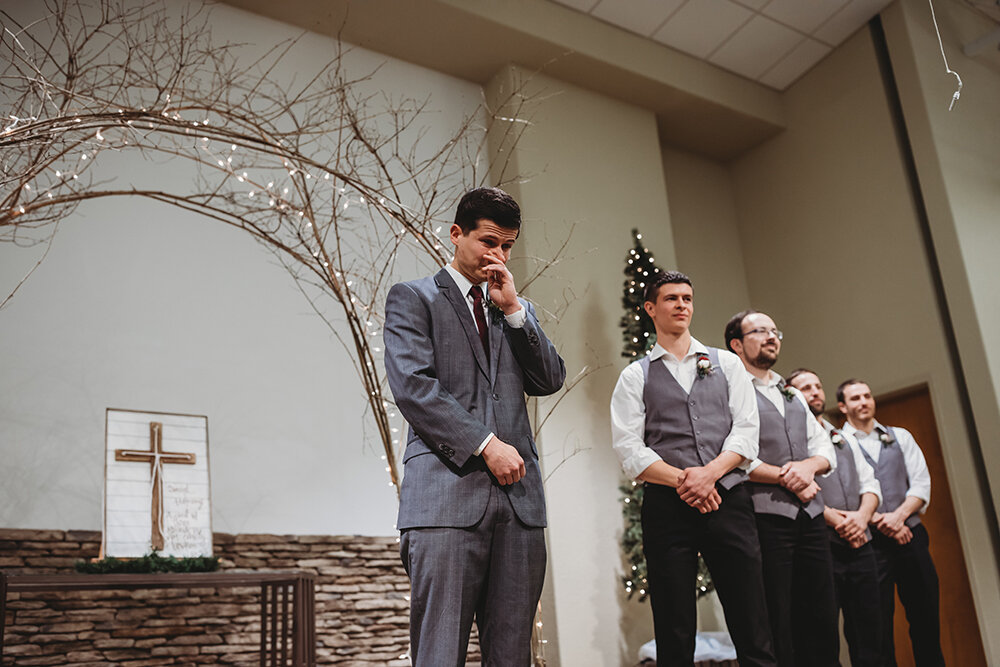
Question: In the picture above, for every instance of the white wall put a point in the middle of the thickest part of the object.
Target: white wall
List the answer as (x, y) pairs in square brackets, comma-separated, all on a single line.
[(144, 306)]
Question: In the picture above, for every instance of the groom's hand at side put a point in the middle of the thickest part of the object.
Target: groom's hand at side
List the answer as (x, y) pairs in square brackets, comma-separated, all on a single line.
[(503, 461)]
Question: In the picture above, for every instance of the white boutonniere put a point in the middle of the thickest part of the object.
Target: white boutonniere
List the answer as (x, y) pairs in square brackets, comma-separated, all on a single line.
[(836, 438), (885, 438), (704, 366), (787, 392)]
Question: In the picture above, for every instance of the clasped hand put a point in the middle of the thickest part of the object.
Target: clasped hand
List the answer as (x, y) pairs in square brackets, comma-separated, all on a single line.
[(892, 524), (696, 487), (850, 525), (796, 476)]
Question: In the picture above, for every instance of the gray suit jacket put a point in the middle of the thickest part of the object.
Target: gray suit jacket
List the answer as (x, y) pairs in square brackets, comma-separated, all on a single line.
[(453, 398)]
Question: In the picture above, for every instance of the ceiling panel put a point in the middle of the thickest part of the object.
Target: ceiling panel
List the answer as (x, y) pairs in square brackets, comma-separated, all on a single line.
[(773, 42), (848, 20), (639, 16), (700, 27), (802, 15), (756, 47), (799, 61)]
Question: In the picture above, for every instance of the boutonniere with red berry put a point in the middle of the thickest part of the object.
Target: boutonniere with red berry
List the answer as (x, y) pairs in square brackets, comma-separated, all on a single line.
[(885, 438), (704, 365), (786, 391), (836, 438)]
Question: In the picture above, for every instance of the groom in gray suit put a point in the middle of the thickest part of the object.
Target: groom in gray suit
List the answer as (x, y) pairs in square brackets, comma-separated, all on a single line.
[(471, 509)]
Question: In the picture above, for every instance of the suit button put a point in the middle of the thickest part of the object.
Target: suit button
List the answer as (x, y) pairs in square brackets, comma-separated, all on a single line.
[(692, 403), (697, 432), (496, 397), (694, 417)]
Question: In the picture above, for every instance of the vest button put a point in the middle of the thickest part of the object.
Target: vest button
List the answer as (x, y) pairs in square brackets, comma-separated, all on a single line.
[(694, 417)]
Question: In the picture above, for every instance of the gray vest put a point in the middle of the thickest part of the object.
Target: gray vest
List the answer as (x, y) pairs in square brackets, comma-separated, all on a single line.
[(890, 471), (842, 487), (688, 430), (782, 439)]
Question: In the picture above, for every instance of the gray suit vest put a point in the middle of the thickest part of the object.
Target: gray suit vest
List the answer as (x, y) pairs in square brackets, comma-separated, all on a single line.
[(782, 439), (688, 430), (890, 471), (842, 487)]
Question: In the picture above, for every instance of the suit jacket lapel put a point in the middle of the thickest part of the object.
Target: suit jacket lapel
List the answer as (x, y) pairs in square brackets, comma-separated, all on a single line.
[(451, 292)]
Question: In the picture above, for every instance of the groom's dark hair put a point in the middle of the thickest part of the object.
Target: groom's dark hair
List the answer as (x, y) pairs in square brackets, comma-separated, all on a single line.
[(490, 204), (660, 279)]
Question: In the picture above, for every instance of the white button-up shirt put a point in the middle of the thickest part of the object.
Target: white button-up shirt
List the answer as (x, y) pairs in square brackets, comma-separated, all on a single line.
[(817, 442), (866, 474), (628, 410), (913, 458)]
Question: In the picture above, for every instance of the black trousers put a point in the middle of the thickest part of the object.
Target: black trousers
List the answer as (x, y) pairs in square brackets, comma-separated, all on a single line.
[(908, 569), (673, 533), (855, 580), (798, 579)]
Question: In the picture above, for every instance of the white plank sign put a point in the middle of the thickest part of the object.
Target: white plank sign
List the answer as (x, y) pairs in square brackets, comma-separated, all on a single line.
[(156, 485)]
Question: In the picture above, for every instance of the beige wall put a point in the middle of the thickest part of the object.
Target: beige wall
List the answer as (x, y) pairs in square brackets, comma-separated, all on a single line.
[(707, 237), (594, 164), (957, 156)]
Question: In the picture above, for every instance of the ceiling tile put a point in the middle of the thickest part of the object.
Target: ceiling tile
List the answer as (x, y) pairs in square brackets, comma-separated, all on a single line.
[(852, 16), (755, 5), (755, 47), (581, 5), (640, 16), (701, 25), (795, 64), (803, 15)]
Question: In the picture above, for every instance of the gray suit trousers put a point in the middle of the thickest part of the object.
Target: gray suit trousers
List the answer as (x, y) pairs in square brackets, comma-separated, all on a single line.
[(491, 572)]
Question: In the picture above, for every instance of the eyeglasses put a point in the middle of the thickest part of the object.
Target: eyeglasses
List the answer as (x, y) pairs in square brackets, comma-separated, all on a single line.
[(767, 333)]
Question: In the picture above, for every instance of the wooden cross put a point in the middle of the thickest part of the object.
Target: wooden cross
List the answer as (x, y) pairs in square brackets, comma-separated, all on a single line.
[(156, 457)]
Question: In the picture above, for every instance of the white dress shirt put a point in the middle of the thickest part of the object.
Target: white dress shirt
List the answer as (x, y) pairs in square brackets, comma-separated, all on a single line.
[(913, 458), (817, 441), (514, 320), (628, 411), (866, 474)]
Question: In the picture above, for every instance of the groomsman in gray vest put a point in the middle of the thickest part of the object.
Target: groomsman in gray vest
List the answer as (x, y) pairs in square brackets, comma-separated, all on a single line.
[(904, 562), (471, 507), (684, 421), (851, 494), (794, 448)]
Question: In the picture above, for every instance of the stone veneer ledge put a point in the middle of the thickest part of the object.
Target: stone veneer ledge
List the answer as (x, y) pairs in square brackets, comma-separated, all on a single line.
[(361, 605)]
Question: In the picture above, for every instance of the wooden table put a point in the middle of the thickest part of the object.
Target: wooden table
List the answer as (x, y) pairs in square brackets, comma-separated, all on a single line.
[(281, 593)]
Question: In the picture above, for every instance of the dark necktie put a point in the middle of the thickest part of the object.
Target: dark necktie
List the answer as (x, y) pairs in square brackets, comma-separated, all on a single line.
[(477, 312)]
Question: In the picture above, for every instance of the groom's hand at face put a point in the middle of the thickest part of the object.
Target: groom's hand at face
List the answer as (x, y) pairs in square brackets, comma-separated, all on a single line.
[(503, 461)]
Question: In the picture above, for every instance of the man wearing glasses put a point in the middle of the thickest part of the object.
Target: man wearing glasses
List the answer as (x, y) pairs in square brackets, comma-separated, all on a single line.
[(795, 550)]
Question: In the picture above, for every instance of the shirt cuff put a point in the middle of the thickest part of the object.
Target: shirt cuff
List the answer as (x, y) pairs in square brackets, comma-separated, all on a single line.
[(753, 465), (638, 462), (516, 320), (744, 449), (481, 447)]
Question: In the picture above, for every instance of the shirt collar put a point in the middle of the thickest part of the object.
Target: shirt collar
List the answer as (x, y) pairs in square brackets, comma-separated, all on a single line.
[(859, 434), (695, 349), (773, 380), (463, 283)]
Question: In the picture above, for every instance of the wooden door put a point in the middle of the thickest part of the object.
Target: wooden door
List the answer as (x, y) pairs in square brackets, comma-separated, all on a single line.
[(960, 639)]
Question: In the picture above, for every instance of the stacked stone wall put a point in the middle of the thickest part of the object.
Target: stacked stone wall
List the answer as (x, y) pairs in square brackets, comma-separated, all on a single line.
[(361, 605)]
